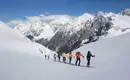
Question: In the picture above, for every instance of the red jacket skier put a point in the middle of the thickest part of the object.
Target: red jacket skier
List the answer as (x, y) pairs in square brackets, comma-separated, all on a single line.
[(78, 55)]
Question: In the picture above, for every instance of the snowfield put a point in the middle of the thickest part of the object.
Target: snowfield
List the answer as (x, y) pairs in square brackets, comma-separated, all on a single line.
[(20, 59)]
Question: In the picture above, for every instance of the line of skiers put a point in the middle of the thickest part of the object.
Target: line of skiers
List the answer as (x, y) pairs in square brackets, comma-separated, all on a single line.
[(78, 56), (47, 56)]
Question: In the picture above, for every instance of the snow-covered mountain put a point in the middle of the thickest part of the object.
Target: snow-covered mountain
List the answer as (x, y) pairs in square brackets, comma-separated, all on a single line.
[(121, 25), (64, 32), (126, 12), (12, 41), (20, 59), (32, 25)]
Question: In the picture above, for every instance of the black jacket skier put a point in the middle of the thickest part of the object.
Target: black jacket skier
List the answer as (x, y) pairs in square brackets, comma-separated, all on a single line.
[(59, 57), (89, 55)]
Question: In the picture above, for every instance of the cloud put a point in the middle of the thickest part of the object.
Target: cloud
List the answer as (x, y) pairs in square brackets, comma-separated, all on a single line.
[(46, 13), (42, 17), (34, 18), (13, 23), (56, 17)]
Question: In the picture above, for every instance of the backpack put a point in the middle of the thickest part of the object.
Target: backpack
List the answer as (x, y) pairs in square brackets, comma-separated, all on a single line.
[(70, 55), (77, 54)]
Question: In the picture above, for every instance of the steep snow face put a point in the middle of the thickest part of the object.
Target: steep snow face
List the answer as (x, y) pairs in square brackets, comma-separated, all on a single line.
[(121, 25), (47, 33), (111, 61), (14, 42), (121, 21)]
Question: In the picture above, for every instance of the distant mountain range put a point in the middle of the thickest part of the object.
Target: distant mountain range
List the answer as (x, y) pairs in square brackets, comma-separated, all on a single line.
[(66, 33)]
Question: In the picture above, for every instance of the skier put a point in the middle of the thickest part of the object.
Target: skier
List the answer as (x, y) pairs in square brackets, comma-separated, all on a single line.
[(70, 57), (89, 55), (78, 55), (64, 57), (45, 56), (59, 56), (54, 56), (48, 56)]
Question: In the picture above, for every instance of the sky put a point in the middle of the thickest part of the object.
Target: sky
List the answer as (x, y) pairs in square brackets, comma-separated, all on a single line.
[(18, 9)]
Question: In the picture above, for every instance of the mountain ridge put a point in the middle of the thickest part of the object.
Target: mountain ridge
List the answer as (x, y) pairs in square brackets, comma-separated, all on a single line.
[(56, 31)]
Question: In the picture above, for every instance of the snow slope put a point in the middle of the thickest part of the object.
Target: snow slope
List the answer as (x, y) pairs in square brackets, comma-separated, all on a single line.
[(111, 61), (112, 57), (13, 41)]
